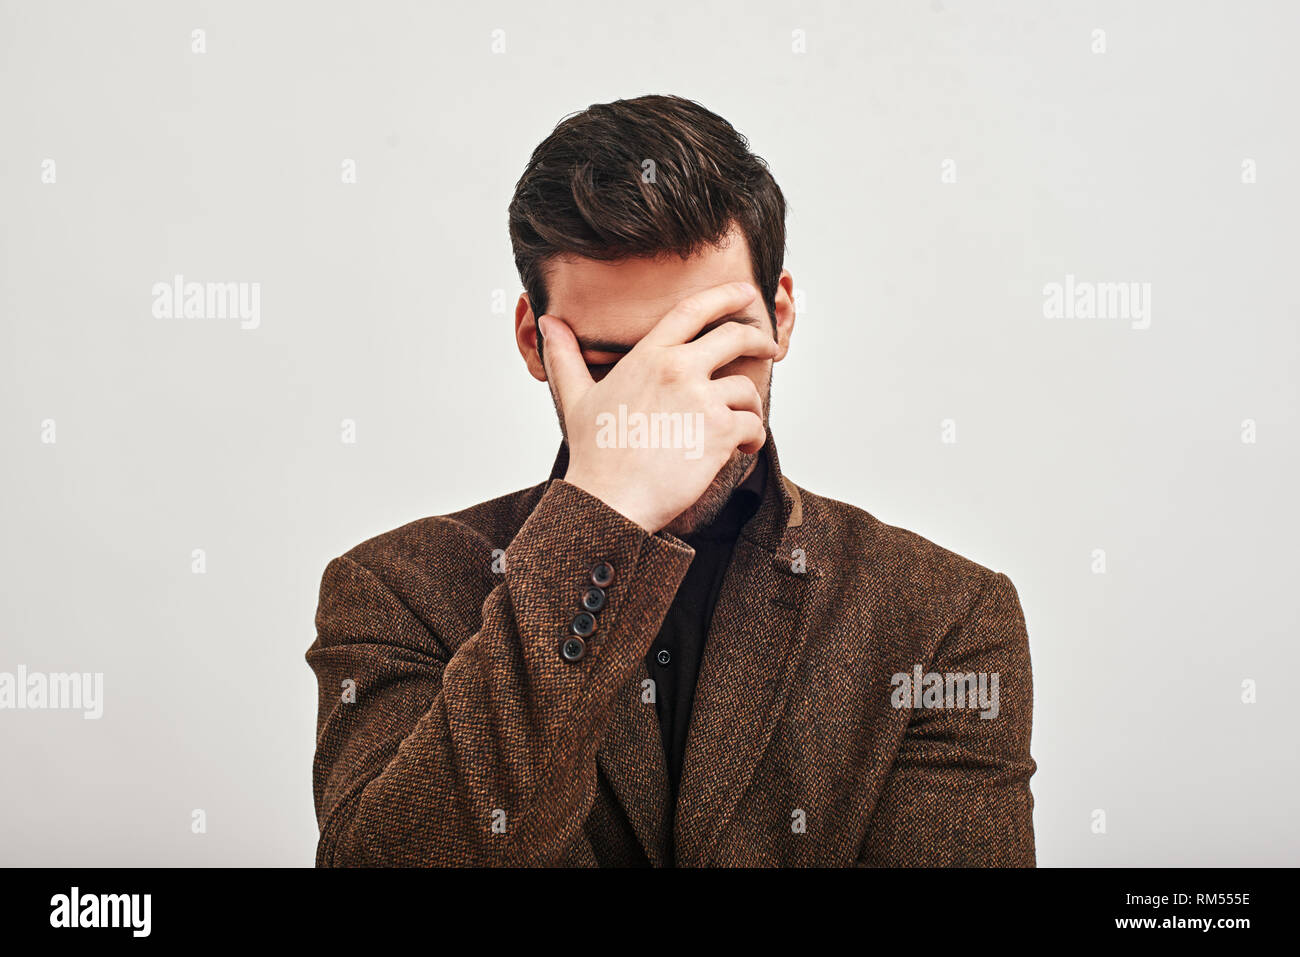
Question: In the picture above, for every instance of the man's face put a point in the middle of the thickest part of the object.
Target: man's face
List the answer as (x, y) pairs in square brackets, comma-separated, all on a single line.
[(611, 305)]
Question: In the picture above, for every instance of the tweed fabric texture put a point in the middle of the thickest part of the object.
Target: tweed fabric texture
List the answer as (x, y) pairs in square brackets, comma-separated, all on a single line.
[(469, 740)]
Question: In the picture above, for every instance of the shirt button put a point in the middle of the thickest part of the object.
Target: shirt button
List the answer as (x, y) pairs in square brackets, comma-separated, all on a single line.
[(593, 599), (583, 624), (664, 657), (573, 648), (602, 573)]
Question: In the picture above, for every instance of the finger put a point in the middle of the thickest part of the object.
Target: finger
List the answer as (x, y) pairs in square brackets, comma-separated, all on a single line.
[(685, 320), (562, 358), (749, 435), (739, 393), (730, 341)]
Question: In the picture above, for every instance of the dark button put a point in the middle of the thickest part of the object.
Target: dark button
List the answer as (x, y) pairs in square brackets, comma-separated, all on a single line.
[(664, 657), (593, 599), (602, 573), (583, 624), (573, 648)]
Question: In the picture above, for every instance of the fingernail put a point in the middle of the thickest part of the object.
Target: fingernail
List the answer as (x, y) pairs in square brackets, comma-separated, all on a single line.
[(541, 325)]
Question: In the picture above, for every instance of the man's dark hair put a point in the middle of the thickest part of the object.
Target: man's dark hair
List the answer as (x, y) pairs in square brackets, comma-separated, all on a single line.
[(589, 190)]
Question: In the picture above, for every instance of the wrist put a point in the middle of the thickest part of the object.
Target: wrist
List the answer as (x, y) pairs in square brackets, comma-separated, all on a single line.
[(626, 507)]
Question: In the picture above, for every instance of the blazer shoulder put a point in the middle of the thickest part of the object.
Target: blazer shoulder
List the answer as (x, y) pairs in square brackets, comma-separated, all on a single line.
[(903, 562), (435, 542), (440, 569)]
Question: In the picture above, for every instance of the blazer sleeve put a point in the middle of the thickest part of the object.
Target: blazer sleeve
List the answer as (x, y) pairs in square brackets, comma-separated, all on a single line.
[(958, 794), (485, 756)]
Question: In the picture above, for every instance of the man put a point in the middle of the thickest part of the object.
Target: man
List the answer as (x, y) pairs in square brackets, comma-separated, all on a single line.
[(668, 653)]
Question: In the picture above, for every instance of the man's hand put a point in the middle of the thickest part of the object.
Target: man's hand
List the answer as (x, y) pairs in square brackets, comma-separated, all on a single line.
[(668, 371)]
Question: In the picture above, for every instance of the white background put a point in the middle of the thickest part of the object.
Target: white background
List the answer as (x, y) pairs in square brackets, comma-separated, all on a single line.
[(922, 301)]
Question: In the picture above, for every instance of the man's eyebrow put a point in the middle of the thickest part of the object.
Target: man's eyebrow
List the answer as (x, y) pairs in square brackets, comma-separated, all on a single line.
[(622, 348)]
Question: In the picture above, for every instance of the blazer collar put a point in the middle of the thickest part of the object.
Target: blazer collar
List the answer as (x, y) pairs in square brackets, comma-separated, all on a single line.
[(754, 638)]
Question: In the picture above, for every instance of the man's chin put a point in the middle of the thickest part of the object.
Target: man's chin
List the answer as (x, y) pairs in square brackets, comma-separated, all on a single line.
[(688, 522), (710, 505)]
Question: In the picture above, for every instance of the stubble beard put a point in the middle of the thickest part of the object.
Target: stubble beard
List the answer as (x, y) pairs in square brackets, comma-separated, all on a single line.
[(710, 505)]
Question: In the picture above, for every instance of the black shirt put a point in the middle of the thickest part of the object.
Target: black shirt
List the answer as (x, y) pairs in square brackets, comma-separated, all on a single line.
[(674, 659)]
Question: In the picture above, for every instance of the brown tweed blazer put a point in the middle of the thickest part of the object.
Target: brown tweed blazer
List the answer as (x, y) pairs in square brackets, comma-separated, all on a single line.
[(452, 732)]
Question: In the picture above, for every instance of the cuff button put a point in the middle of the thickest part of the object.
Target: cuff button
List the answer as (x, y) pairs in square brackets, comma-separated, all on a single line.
[(602, 573), (583, 624), (573, 648), (593, 599)]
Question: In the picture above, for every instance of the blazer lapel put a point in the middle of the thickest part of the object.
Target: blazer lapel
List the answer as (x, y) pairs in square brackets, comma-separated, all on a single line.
[(755, 637), (632, 758)]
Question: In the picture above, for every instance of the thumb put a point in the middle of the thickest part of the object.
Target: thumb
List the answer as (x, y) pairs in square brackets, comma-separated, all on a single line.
[(563, 360)]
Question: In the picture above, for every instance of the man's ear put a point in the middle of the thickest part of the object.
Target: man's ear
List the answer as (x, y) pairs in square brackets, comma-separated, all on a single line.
[(784, 313), (526, 337)]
